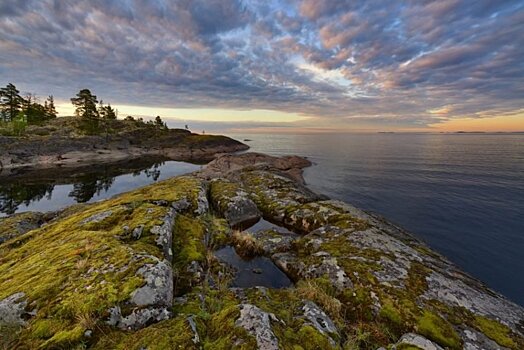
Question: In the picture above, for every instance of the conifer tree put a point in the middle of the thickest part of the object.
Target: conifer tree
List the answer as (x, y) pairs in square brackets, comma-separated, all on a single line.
[(50, 107), (108, 112), (85, 103), (158, 122), (10, 102)]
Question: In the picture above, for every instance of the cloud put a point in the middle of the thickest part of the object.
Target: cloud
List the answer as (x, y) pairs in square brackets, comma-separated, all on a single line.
[(336, 61)]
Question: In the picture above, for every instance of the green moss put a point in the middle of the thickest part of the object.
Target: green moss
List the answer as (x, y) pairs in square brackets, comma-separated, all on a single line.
[(439, 330), (18, 224), (188, 240), (390, 313), (170, 190), (65, 339), (215, 312), (188, 246), (220, 233), (171, 334), (221, 191), (222, 332), (496, 331), (416, 282), (76, 267), (311, 339), (46, 328)]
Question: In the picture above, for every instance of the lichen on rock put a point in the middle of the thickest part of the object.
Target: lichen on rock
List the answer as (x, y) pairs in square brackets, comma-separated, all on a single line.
[(13, 310), (258, 324), (138, 271), (232, 202)]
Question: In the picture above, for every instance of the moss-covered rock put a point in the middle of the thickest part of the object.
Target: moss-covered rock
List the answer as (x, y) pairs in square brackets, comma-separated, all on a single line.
[(18, 224), (138, 271), (231, 202), (63, 142)]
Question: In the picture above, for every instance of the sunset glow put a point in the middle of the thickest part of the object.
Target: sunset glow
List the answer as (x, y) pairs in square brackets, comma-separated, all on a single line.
[(310, 64)]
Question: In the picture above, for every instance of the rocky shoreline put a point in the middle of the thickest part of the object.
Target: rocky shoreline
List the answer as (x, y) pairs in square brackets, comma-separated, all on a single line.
[(139, 271), (58, 144)]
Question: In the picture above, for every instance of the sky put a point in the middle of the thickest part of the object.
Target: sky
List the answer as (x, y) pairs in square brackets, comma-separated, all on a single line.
[(278, 66)]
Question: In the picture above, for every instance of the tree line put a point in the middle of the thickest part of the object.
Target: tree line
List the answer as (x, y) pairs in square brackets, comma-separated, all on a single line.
[(93, 114), (18, 111), (94, 117)]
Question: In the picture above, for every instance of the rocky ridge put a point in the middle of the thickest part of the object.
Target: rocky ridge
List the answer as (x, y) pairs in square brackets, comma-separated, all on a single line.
[(138, 272), (59, 144)]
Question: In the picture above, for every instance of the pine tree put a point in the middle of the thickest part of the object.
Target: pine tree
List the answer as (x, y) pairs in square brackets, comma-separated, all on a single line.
[(85, 103), (50, 107), (10, 102), (108, 112), (34, 112), (158, 122)]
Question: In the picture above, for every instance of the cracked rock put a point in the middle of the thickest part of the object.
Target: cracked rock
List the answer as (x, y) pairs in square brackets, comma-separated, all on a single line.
[(241, 210), (258, 323), (158, 289), (202, 202), (164, 234)]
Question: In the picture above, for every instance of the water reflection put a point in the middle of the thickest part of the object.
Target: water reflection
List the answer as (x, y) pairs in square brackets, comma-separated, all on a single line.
[(52, 189), (15, 194), (83, 191)]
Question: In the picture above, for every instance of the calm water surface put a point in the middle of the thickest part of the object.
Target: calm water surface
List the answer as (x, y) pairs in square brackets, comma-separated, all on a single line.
[(53, 189), (461, 193)]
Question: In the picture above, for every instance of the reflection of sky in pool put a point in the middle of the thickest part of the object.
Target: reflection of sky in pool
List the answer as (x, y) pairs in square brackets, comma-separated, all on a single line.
[(258, 271), (46, 197)]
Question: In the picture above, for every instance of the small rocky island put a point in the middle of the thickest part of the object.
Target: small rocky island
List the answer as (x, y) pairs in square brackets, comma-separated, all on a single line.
[(143, 271), (62, 142), (32, 135)]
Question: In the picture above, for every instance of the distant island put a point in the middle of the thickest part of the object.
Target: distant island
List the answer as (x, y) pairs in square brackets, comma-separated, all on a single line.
[(31, 134)]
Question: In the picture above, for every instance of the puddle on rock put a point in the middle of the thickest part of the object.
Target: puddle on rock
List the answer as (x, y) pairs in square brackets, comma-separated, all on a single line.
[(258, 271)]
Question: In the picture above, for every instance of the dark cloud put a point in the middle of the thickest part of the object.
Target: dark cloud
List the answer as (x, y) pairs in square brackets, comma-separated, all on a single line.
[(349, 60)]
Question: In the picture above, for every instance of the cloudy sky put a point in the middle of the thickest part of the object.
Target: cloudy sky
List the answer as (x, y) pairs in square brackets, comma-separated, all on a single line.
[(289, 64)]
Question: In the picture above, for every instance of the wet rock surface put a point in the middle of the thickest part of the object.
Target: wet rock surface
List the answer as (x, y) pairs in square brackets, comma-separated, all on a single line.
[(147, 270)]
